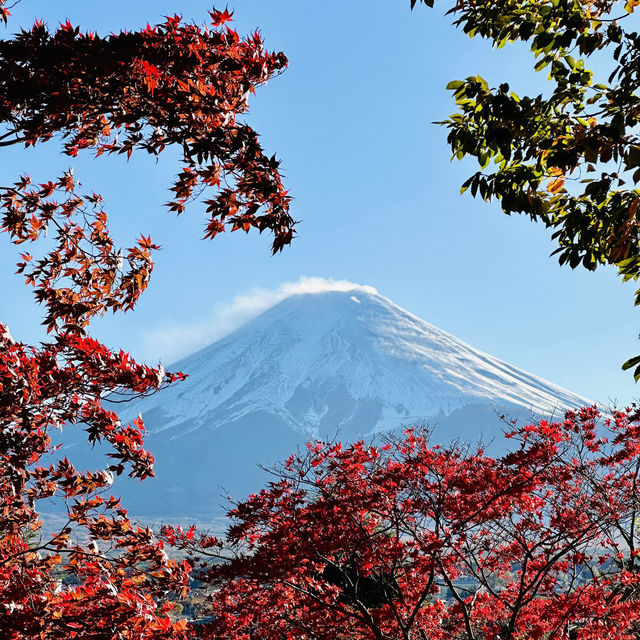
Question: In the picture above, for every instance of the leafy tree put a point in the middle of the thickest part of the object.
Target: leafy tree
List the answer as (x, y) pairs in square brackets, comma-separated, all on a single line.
[(100, 576), (409, 540), (569, 159)]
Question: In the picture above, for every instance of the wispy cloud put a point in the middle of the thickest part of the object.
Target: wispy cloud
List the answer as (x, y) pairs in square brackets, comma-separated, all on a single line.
[(174, 341)]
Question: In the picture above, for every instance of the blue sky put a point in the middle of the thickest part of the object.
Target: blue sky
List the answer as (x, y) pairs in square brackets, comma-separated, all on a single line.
[(373, 187)]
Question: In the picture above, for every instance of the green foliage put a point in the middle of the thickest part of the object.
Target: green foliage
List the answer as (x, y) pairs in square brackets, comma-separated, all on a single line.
[(569, 159)]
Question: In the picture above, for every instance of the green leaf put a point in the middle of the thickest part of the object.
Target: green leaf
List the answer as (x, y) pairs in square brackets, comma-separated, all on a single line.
[(632, 362), (541, 64), (465, 185)]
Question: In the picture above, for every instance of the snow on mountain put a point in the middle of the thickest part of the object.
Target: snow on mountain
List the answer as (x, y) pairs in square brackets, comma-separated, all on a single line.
[(333, 363), (315, 360)]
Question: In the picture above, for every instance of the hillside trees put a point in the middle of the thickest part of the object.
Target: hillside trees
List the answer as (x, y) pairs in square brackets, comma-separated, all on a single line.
[(570, 158), (414, 541), (173, 85)]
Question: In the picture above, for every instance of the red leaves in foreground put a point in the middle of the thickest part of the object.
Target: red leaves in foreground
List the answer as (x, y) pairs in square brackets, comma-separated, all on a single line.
[(83, 275), (172, 84), (409, 540), (99, 574), (4, 12)]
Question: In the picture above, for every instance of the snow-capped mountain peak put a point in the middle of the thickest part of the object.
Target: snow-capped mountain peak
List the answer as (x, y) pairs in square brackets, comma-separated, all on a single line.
[(343, 360), (343, 363)]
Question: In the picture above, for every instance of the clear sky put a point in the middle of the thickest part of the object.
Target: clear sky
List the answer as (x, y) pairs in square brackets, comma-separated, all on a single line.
[(377, 197)]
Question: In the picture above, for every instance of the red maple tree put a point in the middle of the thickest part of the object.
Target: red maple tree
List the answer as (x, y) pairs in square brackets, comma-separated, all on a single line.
[(100, 575), (413, 541), (174, 84)]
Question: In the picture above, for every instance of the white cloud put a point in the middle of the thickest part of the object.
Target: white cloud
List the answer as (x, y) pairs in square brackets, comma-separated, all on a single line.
[(176, 341)]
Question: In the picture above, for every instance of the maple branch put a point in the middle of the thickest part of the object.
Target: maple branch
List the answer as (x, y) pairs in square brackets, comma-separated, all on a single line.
[(633, 525), (500, 494), (333, 607), (11, 132), (422, 597), (369, 620), (565, 618), (458, 599), (475, 568), (8, 143), (539, 576), (396, 614), (40, 547)]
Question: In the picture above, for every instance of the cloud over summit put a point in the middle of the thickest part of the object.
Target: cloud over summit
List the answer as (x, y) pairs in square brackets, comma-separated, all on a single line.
[(172, 342)]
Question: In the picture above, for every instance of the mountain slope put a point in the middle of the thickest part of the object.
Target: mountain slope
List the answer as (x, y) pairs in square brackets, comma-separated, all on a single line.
[(352, 361), (327, 364)]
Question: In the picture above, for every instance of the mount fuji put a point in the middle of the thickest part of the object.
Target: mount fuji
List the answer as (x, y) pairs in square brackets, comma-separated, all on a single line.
[(334, 364)]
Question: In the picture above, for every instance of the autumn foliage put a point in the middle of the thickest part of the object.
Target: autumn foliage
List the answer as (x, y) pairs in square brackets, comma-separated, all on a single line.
[(99, 575), (410, 540), (174, 84), (396, 540)]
